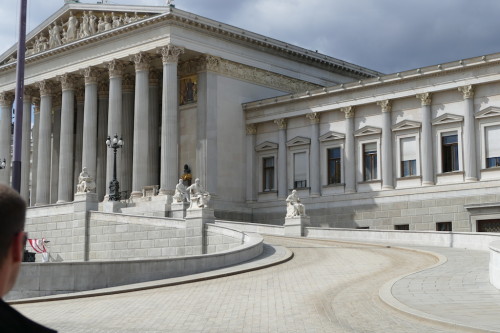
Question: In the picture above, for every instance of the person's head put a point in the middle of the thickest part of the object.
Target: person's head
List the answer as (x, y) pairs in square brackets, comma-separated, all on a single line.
[(12, 236), (197, 181)]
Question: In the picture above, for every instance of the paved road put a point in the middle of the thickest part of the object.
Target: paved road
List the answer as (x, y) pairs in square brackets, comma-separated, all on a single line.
[(327, 287)]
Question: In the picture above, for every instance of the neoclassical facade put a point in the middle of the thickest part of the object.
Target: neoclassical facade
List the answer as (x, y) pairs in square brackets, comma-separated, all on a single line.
[(253, 118)]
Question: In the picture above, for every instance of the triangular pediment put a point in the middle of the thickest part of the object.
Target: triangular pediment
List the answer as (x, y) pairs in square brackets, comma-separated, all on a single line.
[(447, 118), (298, 140), (406, 124), (329, 136), (490, 111), (368, 130), (77, 21), (267, 145)]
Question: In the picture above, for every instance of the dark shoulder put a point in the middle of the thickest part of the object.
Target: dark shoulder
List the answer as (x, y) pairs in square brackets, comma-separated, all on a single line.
[(12, 321)]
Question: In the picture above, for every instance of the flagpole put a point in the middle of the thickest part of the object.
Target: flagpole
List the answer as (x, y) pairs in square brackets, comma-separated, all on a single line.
[(18, 120)]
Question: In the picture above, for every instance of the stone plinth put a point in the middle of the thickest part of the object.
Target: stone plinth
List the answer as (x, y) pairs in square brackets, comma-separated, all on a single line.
[(294, 226), (83, 203), (178, 209), (195, 220), (113, 206)]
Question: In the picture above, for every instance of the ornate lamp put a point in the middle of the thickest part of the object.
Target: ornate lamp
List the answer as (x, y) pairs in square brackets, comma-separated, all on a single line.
[(114, 185)]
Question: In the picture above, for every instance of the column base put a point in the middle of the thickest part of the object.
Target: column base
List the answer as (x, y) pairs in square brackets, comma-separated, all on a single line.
[(387, 187), (471, 179), (427, 183), (61, 201)]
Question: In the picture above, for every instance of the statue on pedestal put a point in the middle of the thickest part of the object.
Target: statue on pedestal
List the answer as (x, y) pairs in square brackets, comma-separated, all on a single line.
[(180, 194), (199, 198), (294, 206), (85, 182)]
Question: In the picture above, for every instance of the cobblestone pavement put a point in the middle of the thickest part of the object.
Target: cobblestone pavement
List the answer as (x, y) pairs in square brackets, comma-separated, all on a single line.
[(327, 287)]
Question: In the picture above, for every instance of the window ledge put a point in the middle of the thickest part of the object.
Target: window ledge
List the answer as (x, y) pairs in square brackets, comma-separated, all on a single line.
[(375, 181), (409, 178), (333, 185), (491, 169), (451, 173)]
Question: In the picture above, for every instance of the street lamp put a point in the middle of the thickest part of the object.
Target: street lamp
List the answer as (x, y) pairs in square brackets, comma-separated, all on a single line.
[(114, 186), (2, 164)]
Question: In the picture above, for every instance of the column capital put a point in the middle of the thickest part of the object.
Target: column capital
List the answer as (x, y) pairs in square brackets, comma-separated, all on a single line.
[(29, 92), (116, 68), (313, 117), (170, 53), (6, 99), (46, 87), (91, 75), (281, 123), (67, 82), (142, 61), (386, 105), (154, 78), (348, 111), (128, 83), (467, 91), (425, 98), (251, 129)]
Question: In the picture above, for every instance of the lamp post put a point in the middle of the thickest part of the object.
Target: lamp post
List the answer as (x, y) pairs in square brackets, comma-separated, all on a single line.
[(2, 164), (114, 185)]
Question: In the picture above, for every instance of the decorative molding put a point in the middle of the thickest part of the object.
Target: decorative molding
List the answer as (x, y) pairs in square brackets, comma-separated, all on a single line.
[(425, 99), (6, 99), (251, 129), (490, 111), (313, 117), (116, 68), (348, 111), (170, 53), (447, 118), (68, 81), (368, 130), (467, 91), (245, 73), (142, 61), (386, 105), (281, 123), (298, 141), (91, 75), (267, 145), (405, 125), (46, 87), (330, 136)]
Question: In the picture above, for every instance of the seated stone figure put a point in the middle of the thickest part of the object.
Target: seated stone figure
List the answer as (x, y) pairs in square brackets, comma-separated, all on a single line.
[(180, 194), (85, 182), (294, 207), (199, 198)]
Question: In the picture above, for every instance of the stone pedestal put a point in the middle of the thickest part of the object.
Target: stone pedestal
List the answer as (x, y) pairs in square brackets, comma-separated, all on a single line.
[(195, 220), (113, 206), (294, 226), (83, 203), (178, 209)]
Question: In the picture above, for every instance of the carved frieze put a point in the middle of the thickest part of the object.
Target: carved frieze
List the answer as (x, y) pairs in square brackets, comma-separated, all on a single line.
[(154, 78), (103, 88), (80, 95), (128, 83)]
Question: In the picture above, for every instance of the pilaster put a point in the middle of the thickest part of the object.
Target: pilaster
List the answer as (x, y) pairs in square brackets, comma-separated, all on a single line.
[(469, 143), (314, 173), (386, 154), (349, 155), (426, 140), (282, 160), (251, 181)]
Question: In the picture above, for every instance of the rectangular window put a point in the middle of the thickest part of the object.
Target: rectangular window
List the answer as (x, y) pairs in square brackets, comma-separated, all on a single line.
[(334, 165), (443, 226), (408, 157), (402, 227), (488, 225), (268, 173), (370, 161), (299, 170), (492, 136), (449, 152)]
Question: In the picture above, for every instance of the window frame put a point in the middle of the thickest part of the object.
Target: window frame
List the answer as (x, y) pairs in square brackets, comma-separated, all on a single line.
[(264, 150), (331, 140), (399, 153), (366, 135), (298, 145), (340, 159), (444, 124), (482, 126)]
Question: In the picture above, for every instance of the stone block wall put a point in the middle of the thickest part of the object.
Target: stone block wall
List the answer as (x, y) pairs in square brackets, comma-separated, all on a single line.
[(219, 239)]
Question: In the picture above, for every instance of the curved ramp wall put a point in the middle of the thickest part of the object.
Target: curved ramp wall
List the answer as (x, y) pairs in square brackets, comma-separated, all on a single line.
[(495, 264)]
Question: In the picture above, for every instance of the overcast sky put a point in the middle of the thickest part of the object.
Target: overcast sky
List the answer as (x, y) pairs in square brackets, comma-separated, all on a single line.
[(385, 35)]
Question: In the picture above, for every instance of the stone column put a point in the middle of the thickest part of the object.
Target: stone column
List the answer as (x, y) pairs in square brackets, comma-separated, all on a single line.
[(282, 160), (116, 69), (386, 156), (89, 148), (128, 134), (141, 114), (169, 122), (44, 146), (26, 146), (314, 174), (251, 181), (470, 157), (102, 134), (349, 151), (34, 133), (56, 144), (6, 100), (65, 190), (80, 101), (154, 130), (426, 140)]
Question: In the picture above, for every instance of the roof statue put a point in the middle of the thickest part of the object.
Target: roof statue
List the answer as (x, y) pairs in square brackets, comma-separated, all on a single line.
[(171, 3)]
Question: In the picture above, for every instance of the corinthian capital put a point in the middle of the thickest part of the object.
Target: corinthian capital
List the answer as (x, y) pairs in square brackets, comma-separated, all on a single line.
[(46, 87), (251, 129), (467, 91), (385, 105), (425, 98), (116, 68), (142, 61), (67, 82), (281, 123), (91, 75), (171, 53), (348, 111), (6, 99), (313, 117)]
